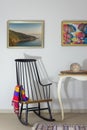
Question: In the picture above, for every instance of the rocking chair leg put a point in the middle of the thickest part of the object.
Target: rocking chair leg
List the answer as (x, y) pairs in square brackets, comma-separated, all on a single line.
[(26, 114), (20, 116), (39, 114), (20, 112), (39, 108), (51, 119)]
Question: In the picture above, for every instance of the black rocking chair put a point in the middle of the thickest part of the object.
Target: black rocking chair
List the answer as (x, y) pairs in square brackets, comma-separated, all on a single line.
[(28, 77)]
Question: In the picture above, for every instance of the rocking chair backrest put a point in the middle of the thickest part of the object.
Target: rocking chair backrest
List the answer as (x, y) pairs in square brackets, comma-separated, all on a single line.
[(28, 77)]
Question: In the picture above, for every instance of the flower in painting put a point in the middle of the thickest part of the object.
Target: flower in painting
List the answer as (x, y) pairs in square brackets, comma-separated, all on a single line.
[(83, 28), (72, 28), (85, 40), (80, 36), (68, 33), (69, 28), (68, 38), (65, 27)]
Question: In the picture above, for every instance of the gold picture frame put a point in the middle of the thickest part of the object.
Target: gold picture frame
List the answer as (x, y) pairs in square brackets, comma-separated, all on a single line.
[(25, 33), (74, 33)]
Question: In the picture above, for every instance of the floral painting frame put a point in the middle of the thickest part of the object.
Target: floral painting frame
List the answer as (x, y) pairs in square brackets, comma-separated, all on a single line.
[(25, 33), (74, 33)]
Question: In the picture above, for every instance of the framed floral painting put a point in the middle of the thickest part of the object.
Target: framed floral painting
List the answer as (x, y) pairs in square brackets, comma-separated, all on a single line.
[(74, 33)]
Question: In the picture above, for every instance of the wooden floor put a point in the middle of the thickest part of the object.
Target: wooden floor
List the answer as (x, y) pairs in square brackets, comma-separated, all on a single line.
[(9, 121)]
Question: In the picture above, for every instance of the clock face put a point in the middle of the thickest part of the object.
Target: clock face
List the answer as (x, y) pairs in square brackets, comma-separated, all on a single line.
[(75, 67)]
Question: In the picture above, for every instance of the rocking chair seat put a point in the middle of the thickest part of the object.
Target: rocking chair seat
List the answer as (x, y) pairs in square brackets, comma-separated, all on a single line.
[(36, 101)]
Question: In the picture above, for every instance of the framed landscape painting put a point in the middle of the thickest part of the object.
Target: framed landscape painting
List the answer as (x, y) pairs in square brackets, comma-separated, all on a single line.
[(74, 33), (25, 34)]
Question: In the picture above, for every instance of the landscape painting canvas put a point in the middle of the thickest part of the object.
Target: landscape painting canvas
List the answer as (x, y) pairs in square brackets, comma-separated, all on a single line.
[(25, 34), (74, 33)]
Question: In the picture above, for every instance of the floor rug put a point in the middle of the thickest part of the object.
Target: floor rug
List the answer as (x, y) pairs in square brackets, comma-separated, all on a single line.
[(51, 126)]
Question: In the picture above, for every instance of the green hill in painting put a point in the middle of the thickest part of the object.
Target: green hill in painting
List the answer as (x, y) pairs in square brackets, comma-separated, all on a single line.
[(17, 37)]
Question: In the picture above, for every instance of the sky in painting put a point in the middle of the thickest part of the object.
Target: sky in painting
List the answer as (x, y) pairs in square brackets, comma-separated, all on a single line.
[(27, 28)]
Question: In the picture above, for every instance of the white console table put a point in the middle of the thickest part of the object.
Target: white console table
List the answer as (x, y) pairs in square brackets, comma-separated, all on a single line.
[(62, 76)]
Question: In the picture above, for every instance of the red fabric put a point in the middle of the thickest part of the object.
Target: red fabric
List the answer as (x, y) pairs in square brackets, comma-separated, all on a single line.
[(16, 98)]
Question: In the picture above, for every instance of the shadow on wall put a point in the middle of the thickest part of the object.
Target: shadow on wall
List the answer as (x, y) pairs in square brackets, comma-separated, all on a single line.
[(84, 66), (84, 86)]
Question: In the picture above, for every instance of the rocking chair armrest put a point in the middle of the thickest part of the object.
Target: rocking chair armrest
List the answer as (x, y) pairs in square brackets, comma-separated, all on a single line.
[(44, 85)]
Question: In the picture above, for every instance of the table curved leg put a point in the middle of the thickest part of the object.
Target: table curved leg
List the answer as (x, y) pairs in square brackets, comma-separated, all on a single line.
[(59, 97), (82, 77)]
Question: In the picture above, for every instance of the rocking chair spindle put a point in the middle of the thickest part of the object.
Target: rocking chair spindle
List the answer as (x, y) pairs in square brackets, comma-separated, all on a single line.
[(28, 78)]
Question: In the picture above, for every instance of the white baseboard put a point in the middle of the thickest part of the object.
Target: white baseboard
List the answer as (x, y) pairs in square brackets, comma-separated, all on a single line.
[(6, 111), (71, 111)]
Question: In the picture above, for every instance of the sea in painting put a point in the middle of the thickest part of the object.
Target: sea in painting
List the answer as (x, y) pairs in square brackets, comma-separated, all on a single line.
[(36, 42)]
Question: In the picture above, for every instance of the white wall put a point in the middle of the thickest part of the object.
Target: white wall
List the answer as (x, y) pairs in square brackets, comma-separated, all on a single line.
[(55, 57)]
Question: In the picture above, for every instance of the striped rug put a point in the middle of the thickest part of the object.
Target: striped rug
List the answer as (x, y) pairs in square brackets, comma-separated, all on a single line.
[(51, 126)]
